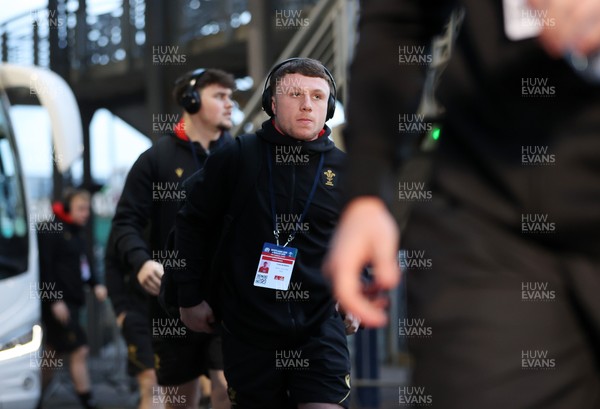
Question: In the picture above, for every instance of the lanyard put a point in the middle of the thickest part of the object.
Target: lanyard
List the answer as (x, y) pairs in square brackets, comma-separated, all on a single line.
[(309, 200)]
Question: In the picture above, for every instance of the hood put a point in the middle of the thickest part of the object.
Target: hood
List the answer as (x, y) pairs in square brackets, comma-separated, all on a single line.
[(269, 133), (184, 140), (59, 210)]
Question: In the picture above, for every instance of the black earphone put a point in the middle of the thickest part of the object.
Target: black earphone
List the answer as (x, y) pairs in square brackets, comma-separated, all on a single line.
[(67, 204), (268, 93), (189, 98), (68, 196)]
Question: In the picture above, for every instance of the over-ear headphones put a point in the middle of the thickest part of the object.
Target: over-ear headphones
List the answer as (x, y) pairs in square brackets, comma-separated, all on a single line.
[(67, 204), (68, 196), (268, 92), (189, 98)]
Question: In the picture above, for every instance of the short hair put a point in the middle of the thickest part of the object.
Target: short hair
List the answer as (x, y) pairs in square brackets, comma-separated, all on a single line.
[(209, 77), (70, 193), (308, 67)]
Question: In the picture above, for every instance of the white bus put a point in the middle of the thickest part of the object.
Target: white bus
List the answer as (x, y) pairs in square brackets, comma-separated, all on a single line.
[(20, 313)]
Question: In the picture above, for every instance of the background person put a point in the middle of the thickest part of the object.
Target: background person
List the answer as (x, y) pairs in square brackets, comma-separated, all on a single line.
[(64, 267), (145, 214)]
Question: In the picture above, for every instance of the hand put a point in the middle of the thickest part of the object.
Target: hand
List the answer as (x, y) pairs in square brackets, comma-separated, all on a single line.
[(367, 233), (351, 323), (61, 312), (576, 26), (149, 277), (199, 318), (100, 292), (121, 319)]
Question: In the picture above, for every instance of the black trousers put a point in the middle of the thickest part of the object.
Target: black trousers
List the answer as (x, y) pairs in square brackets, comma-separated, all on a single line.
[(496, 320)]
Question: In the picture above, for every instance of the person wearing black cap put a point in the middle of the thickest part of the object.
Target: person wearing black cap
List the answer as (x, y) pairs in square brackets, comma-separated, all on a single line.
[(284, 343), (136, 255)]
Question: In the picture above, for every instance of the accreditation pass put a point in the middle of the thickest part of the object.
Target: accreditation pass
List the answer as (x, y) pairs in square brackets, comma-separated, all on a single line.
[(275, 267)]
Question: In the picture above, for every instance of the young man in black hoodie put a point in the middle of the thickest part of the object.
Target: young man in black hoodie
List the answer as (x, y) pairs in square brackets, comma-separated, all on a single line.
[(145, 214), (65, 268), (284, 343), (511, 230)]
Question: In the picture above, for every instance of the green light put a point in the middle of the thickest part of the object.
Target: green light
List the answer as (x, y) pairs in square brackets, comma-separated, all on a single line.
[(435, 134)]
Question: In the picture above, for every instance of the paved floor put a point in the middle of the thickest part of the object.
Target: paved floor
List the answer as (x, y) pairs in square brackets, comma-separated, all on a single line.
[(115, 390)]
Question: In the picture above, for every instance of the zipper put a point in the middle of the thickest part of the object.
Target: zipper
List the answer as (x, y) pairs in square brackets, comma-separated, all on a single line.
[(291, 207)]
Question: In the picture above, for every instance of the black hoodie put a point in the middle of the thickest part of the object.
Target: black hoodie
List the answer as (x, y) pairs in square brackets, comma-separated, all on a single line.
[(263, 316), (63, 251), (145, 214)]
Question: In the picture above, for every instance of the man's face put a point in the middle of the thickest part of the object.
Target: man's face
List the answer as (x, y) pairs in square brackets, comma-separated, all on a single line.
[(80, 210), (300, 105), (216, 107)]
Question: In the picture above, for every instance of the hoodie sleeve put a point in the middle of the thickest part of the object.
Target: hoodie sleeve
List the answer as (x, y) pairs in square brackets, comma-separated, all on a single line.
[(198, 223), (133, 214), (115, 280), (381, 88), (47, 264)]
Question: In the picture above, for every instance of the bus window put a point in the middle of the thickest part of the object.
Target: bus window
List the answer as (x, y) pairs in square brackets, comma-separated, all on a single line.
[(14, 240)]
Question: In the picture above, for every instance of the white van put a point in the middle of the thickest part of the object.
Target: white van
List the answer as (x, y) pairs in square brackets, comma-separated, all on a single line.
[(20, 313)]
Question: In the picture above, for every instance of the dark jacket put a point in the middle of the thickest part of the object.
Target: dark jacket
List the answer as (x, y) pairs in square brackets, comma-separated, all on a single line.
[(264, 316), (62, 252), (489, 122), (145, 214)]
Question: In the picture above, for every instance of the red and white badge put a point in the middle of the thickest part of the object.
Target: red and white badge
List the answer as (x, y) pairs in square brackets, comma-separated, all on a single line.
[(275, 267)]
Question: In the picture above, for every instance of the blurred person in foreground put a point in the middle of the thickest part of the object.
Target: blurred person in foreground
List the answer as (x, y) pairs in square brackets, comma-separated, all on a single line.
[(65, 267), (513, 225)]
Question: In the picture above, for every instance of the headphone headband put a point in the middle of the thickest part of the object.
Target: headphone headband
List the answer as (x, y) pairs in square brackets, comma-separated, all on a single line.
[(268, 93)]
